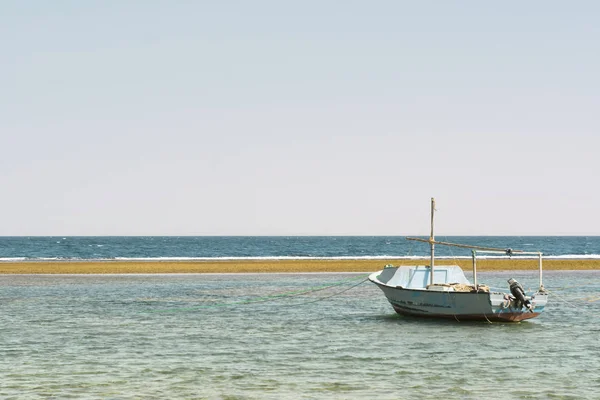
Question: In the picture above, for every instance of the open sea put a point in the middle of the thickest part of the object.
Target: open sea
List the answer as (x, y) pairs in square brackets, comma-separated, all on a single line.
[(274, 247), (282, 336)]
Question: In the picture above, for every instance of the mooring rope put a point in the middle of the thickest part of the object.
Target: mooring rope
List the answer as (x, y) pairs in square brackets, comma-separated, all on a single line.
[(274, 297), (330, 296), (563, 299), (593, 297)]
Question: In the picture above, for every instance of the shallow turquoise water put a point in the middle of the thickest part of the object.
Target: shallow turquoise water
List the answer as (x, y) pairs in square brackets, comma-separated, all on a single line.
[(205, 336)]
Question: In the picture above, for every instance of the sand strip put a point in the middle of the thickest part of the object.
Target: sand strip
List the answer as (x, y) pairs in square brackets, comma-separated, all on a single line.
[(245, 266)]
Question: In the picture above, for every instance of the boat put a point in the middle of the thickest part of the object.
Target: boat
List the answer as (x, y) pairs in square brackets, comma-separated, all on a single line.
[(444, 291)]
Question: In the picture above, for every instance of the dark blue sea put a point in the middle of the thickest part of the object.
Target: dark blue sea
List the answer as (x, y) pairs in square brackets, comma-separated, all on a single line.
[(275, 247)]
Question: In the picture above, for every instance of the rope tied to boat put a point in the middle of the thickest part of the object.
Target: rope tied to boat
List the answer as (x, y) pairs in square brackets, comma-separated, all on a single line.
[(275, 297)]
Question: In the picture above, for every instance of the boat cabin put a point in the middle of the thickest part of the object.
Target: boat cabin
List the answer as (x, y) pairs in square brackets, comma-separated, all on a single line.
[(419, 277)]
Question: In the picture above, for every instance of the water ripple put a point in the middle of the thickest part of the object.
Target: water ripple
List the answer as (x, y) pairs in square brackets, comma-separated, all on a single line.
[(101, 337)]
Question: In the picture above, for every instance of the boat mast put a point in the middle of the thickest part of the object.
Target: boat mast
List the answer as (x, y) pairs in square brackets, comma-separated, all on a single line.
[(540, 266), (432, 243), (474, 255)]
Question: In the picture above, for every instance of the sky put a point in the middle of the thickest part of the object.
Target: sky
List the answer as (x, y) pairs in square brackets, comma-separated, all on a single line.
[(299, 118)]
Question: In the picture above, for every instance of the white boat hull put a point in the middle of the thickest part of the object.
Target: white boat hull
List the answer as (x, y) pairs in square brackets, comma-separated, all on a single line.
[(442, 302)]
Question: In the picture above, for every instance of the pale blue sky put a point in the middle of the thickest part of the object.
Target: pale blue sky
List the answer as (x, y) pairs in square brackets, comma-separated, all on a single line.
[(296, 118)]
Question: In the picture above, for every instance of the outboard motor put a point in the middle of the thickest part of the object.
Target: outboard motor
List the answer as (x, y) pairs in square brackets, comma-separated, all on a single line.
[(517, 290)]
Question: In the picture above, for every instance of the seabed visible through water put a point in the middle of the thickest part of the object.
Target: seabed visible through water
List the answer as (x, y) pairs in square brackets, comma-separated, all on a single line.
[(257, 336)]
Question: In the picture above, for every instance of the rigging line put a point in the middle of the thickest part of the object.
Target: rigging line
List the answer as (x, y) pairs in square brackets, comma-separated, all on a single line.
[(410, 247), (452, 256)]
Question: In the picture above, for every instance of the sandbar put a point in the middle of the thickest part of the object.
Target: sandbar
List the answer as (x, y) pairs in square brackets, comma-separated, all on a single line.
[(272, 266)]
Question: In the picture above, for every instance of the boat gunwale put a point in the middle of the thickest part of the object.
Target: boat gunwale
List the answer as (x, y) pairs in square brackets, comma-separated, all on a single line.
[(449, 291)]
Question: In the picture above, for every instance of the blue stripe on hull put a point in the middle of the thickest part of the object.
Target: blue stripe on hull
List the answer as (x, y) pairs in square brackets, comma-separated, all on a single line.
[(500, 317)]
